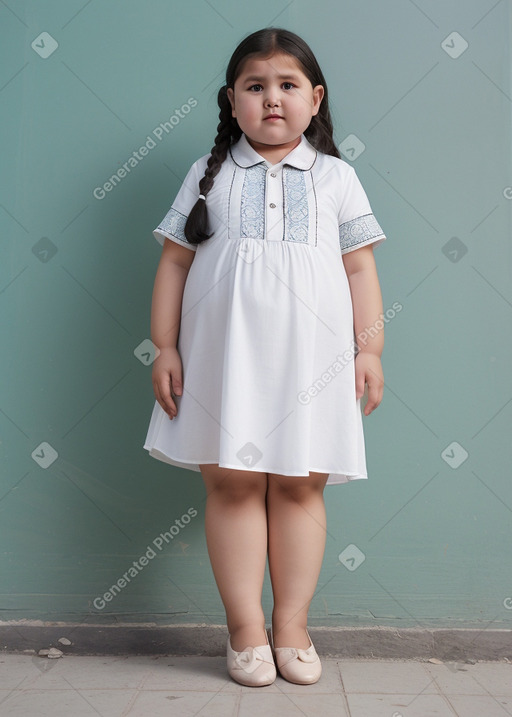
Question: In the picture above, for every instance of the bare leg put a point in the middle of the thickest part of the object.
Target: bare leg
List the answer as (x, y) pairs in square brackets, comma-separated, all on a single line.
[(297, 531), (236, 536)]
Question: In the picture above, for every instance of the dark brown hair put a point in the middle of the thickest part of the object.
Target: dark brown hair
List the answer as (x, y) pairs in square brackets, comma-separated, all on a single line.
[(262, 43)]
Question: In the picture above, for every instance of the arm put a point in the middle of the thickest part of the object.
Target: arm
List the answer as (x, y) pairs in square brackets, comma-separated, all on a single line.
[(367, 307), (171, 275), (170, 279)]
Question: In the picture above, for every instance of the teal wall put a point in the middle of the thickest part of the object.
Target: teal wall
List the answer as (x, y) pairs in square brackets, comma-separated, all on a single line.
[(77, 273)]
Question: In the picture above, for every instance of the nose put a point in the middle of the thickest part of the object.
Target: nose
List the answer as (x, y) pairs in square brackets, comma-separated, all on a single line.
[(272, 97)]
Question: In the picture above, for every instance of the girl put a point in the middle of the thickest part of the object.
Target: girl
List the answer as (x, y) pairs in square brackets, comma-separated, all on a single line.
[(263, 313)]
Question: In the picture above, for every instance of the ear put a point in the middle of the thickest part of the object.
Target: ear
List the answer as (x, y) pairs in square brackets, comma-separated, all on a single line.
[(231, 98), (318, 95)]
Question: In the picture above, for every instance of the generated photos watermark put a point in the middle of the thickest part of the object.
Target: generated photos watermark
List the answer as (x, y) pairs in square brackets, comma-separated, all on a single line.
[(343, 359), (161, 131), (137, 566)]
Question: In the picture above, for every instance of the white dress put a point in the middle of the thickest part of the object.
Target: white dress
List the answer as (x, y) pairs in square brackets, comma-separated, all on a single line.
[(266, 336)]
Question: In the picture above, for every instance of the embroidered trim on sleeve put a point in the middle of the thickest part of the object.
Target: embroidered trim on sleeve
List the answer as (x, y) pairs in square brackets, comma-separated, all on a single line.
[(174, 223), (359, 231)]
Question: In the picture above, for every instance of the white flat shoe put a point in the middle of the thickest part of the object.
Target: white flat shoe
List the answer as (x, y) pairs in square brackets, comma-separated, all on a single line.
[(302, 667), (254, 666)]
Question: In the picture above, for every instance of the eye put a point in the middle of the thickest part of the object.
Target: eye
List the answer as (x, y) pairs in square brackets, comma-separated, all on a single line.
[(290, 85), (251, 88)]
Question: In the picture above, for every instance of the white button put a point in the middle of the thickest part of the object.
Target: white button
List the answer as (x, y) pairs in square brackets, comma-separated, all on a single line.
[(272, 174), (272, 205)]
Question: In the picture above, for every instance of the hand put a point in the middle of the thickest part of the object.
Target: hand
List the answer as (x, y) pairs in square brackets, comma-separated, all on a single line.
[(368, 370), (167, 377)]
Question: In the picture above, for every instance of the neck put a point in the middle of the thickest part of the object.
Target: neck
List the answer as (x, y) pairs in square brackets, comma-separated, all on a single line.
[(274, 153)]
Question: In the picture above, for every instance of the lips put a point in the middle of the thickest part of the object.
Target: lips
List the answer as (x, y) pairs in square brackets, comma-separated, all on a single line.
[(272, 117)]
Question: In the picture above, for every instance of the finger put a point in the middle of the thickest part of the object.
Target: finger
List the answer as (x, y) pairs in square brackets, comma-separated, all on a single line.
[(177, 385), (163, 396), (360, 379), (173, 389), (374, 398)]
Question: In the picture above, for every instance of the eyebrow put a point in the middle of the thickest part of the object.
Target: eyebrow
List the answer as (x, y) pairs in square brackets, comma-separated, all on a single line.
[(254, 78)]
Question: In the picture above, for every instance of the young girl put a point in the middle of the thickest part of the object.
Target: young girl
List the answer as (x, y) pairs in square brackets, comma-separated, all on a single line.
[(264, 311)]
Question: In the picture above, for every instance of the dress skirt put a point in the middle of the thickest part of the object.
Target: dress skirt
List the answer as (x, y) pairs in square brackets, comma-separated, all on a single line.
[(267, 349)]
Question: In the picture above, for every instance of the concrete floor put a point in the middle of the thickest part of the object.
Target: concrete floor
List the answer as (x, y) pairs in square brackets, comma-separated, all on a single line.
[(142, 686)]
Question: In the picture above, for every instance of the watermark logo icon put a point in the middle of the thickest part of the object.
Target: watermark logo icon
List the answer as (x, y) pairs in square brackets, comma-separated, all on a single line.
[(44, 454), (249, 249), (249, 454), (146, 352), (351, 557), (454, 45), (454, 455), (351, 147), (45, 45), (454, 249), (44, 249)]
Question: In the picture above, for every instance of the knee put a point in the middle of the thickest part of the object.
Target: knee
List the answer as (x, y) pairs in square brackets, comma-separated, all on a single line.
[(238, 492), (296, 488), (237, 486)]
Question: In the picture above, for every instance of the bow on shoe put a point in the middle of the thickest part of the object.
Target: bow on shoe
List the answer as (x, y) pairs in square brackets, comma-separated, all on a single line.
[(287, 654), (249, 659)]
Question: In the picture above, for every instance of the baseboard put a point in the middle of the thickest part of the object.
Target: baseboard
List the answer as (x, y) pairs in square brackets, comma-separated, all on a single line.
[(447, 645)]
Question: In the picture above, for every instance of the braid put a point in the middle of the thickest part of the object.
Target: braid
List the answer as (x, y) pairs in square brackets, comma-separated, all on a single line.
[(227, 131)]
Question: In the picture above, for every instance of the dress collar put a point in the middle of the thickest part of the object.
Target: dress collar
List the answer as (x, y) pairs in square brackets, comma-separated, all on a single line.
[(302, 157)]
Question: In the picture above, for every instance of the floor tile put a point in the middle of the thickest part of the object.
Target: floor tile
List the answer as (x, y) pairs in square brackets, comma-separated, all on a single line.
[(63, 703), (386, 676), (386, 705), (82, 672), (495, 677), (208, 674), (182, 672), (23, 670), (476, 706), (460, 680), (172, 703), (292, 705), (138, 686)]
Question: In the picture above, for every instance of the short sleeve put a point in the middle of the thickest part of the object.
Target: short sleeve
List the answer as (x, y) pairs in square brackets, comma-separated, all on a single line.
[(172, 225), (357, 224)]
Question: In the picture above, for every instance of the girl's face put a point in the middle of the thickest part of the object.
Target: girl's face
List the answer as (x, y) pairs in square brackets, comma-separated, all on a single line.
[(273, 102)]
